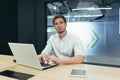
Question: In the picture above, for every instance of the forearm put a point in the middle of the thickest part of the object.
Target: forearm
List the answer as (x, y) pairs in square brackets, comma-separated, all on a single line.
[(43, 54), (73, 60)]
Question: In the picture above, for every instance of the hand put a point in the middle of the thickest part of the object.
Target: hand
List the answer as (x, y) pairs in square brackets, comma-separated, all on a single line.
[(41, 58), (53, 59)]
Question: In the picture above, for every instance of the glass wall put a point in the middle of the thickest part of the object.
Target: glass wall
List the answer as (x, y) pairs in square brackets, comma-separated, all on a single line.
[(96, 22)]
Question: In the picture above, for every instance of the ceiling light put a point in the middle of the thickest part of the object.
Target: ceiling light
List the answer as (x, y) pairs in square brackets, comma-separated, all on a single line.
[(92, 8)]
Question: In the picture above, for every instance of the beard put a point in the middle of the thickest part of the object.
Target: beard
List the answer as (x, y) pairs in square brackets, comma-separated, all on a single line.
[(60, 32)]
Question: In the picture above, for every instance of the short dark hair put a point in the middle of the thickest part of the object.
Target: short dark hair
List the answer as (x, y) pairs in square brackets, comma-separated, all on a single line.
[(59, 16)]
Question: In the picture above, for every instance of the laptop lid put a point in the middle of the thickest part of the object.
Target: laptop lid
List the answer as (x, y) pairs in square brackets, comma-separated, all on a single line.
[(25, 54)]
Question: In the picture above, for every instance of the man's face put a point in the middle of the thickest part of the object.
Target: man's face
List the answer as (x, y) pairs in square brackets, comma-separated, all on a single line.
[(60, 25)]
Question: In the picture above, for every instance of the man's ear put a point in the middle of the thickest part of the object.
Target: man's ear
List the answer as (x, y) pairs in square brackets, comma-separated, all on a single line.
[(66, 24)]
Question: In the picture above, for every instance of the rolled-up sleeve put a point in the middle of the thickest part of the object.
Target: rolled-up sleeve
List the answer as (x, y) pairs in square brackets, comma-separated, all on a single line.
[(48, 48), (78, 47)]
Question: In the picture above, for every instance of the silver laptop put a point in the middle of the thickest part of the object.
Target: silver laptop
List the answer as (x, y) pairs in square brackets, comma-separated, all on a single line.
[(25, 54)]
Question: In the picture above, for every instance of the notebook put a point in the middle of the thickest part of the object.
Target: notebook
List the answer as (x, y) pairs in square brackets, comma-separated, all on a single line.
[(25, 54)]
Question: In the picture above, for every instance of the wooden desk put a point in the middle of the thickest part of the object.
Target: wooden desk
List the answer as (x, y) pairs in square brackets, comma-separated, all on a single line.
[(60, 72)]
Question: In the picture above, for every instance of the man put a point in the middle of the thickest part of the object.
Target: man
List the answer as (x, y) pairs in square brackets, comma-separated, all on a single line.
[(63, 47)]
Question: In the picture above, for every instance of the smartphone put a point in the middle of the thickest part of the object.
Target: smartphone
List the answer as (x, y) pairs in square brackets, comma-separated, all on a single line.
[(16, 75), (78, 73)]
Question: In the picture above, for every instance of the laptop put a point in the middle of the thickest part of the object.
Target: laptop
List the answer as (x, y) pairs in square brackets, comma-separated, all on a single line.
[(25, 54)]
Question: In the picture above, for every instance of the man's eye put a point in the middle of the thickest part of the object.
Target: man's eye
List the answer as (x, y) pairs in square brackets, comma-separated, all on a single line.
[(56, 24), (61, 22)]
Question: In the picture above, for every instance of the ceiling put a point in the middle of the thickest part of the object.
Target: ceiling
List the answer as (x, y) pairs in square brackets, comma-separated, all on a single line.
[(68, 6)]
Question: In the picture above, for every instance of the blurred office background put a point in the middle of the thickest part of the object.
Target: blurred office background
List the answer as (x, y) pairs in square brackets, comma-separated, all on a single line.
[(96, 22)]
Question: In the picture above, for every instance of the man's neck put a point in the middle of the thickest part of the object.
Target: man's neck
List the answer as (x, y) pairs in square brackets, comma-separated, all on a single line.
[(62, 35)]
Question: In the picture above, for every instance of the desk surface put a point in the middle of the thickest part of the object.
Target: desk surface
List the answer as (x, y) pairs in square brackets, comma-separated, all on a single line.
[(60, 72)]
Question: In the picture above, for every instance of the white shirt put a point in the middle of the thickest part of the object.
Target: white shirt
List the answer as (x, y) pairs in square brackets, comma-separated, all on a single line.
[(66, 47)]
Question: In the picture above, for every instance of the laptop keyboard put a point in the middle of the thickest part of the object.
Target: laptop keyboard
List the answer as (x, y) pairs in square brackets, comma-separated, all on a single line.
[(45, 65)]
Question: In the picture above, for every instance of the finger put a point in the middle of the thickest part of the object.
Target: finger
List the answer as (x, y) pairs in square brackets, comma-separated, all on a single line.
[(42, 59), (48, 59)]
